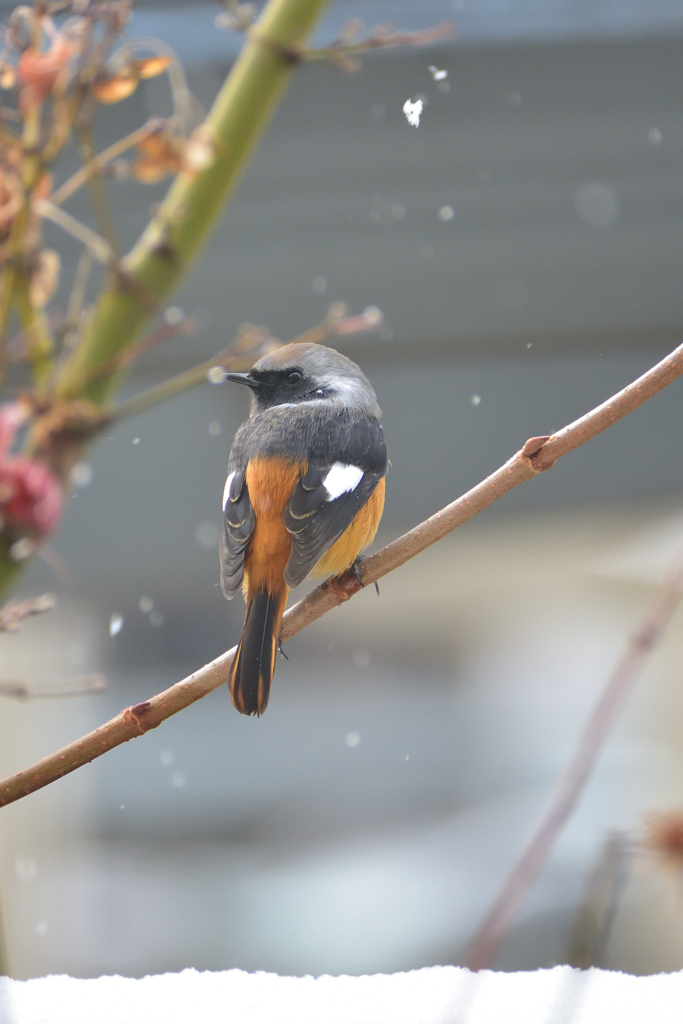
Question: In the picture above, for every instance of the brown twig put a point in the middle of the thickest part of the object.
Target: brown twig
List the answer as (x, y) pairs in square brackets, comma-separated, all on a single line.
[(570, 787), (97, 244), (538, 454), (344, 51), (97, 163), (122, 359), (13, 613), (21, 689)]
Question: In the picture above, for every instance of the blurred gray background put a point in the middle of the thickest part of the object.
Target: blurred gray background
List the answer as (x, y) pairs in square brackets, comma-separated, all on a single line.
[(524, 245)]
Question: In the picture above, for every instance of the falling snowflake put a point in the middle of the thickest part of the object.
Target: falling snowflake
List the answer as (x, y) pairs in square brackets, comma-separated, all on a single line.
[(115, 624), (413, 111)]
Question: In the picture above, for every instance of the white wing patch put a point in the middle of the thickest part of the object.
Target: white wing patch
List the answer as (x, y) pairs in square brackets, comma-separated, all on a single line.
[(340, 479), (226, 490)]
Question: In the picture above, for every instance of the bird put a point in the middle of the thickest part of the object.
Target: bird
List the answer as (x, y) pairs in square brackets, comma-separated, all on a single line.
[(304, 494)]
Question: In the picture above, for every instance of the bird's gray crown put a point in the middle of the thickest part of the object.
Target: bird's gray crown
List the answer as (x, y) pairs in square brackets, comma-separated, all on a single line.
[(308, 373)]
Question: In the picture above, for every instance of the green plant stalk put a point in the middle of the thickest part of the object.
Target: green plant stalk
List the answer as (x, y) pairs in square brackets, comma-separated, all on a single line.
[(10, 568), (192, 206), (38, 338)]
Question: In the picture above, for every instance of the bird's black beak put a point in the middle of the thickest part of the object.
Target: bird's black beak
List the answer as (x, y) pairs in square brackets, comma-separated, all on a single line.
[(244, 378)]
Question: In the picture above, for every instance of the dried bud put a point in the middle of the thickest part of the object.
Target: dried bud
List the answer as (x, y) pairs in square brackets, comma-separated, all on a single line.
[(119, 87), (148, 172), (161, 155), (8, 76), (150, 67), (44, 278), (200, 149), (664, 836)]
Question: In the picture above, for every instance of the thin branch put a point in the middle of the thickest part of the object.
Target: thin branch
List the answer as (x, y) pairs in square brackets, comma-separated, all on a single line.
[(98, 163), (180, 93), (150, 341), (196, 375), (98, 245), (14, 612), (344, 51), (538, 454), (240, 355), (98, 192), (87, 686), (571, 785)]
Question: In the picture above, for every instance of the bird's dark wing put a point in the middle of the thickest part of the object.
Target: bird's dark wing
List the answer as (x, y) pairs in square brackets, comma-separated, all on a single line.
[(238, 525), (331, 493), (315, 521)]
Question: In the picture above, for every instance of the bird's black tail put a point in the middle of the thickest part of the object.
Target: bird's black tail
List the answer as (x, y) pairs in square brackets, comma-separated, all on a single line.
[(252, 670)]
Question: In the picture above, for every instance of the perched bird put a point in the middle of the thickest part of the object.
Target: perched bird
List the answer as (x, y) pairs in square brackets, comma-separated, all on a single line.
[(305, 493)]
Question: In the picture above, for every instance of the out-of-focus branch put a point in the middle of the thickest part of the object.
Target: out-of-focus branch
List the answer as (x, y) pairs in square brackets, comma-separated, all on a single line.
[(117, 362), (98, 194), (344, 51), (571, 785), (15, 611), (98, 163), (21, 689), (227, 359), (97, 245), (241, 354), (538, 454)]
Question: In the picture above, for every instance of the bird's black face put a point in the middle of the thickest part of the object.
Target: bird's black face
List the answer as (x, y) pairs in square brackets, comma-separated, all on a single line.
[(279, 387)]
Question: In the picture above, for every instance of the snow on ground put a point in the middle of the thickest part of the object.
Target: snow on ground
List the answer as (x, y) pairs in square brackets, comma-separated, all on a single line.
[(434, 995)]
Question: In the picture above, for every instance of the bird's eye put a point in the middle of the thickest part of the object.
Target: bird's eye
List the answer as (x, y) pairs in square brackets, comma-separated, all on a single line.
[(294, 377)]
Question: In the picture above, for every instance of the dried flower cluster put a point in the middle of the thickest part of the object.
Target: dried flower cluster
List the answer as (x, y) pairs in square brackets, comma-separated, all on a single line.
[(59, 62)]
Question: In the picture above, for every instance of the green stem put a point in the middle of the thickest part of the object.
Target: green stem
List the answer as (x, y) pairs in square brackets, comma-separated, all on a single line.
[(38, 338), (191, 208), (10, 568)]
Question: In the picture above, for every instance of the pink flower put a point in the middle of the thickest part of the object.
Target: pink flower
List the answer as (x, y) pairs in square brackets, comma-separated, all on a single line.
[(30, 495)]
